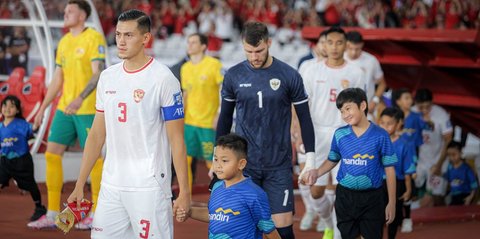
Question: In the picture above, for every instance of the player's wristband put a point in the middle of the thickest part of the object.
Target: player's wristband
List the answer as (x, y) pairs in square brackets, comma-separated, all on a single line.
[(310, 160), (376, 99)]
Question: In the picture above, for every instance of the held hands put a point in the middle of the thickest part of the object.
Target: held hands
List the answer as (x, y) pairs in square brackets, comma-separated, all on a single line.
[(309, 174), (390, 212), (181, 215), (181, 207)]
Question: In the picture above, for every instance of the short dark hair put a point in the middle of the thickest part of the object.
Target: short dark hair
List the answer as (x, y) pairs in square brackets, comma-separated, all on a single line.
[(354, 37), (234, 142), (395, 113), (202, 37), (143, 20), (322, 34), (355, 95), (455, 144), (423, 95), (336, 30), (397, 94), (15, 101), (83, 5), (254, 32)]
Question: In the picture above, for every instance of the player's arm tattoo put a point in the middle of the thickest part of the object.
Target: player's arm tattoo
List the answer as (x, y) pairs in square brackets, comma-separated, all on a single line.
[(92, 84)]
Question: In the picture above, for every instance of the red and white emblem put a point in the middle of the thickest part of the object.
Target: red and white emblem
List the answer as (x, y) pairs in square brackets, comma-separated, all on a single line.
[(138, 95)]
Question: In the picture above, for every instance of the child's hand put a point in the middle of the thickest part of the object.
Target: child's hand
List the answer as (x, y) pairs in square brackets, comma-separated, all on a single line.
[(181, 215), (390, 212), (468, 200), (405, 196)]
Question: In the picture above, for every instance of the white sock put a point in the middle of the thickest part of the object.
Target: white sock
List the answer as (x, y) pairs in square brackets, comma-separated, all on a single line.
[(324, 209), (330, 193), (51, 214), (306, 197)]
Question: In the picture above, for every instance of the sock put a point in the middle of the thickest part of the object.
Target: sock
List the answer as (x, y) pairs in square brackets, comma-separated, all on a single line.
[(406, 209), (36, 196), (286, 232), (54, 178), (96, 178), (190, 172), (324, 208), (330, 193), (306, 197)]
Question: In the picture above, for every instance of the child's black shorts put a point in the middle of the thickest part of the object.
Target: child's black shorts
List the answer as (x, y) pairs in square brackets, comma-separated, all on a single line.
[(20, 169), (360, 212)]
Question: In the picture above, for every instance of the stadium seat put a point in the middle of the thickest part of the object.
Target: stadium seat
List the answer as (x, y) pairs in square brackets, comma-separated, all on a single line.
[(10, 86), (31, 93)]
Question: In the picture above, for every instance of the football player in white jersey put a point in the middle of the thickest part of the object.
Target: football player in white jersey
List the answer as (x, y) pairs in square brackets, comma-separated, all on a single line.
[(323, 81), (371, 68), (432, 152), (140, 118)]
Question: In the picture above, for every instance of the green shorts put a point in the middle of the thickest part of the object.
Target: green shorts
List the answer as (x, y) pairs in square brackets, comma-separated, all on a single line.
[(66, 128), (199, 142)]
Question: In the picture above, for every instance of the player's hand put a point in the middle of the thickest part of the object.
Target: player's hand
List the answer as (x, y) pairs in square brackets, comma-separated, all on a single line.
[(371, 106), (308, 176), (468, 200), (436, 170), (76, 196), (182, 203), (74, 106), (181, 215), (390, 212), (38, 120)]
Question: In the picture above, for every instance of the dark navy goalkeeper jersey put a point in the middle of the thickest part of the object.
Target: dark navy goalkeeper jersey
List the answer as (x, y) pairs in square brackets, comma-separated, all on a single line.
[(263, 102)]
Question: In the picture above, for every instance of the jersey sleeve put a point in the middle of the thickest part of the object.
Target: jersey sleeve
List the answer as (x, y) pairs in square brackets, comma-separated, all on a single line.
[(228, 92), (446, 125), (261, 213), (100, 94), (184, 81), (97, 50), (171, 101), (306, 82), (387, 152), (334, 154), (472, 180), (408, 159), (218, 73), (377, 70), (297, 90), (58, 57)]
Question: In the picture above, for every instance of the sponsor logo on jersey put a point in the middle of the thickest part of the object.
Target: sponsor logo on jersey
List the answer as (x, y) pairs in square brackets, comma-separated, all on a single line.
[(245, 85), (177, 98), (8, 142), (345, 84), (79, 51), (138, 95), (275, 83), (110, 92), (222, 215), (358, 159)]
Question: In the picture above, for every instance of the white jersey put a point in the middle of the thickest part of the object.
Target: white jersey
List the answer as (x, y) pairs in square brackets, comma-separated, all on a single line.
[(431, 148), (322, 84), (136, 106), (371, 68)]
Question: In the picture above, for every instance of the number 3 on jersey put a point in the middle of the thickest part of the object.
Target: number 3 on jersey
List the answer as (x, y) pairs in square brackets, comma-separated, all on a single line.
[(123, 112)]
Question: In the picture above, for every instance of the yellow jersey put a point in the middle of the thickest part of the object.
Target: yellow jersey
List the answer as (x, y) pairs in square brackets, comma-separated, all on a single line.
[(201, 82), (74, 56)]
